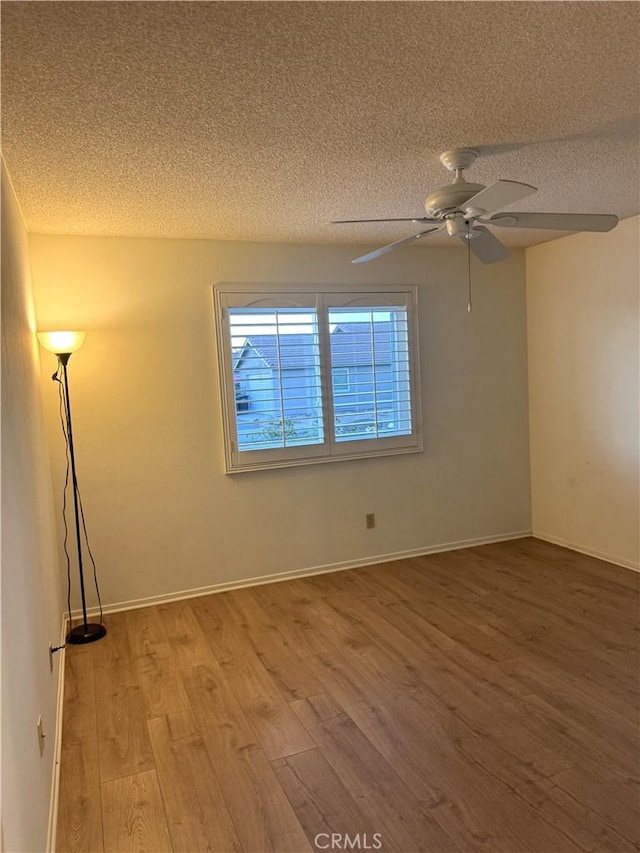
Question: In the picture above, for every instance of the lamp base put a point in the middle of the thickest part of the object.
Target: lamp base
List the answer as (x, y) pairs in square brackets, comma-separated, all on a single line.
[(86, 633)]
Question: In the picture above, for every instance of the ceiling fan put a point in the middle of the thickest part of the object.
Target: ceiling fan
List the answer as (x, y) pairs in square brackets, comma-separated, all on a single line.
[(466, 209)]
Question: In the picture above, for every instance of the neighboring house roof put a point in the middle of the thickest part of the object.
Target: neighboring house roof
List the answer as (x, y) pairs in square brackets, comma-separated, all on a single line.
[(297, 351), (351, 344), (249, 356)]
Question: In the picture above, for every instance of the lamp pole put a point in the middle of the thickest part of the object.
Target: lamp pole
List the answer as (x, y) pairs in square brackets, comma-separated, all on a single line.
[(63, 345), (85, 633)]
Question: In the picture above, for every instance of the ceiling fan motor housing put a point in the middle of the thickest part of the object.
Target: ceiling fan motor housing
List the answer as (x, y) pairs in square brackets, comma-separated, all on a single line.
[(450, 198)]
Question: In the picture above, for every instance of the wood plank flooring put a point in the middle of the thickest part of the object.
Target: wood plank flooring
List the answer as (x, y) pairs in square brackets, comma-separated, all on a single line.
[(478, 700)]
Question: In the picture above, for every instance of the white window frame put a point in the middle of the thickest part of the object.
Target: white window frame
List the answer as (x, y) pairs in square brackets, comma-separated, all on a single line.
[(321, 298)]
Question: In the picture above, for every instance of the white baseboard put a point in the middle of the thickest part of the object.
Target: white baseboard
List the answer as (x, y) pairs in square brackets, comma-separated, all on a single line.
[(52, 829), (300, 573), (617, 561)]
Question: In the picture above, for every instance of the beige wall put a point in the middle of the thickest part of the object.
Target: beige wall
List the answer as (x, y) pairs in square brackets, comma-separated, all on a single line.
[(31, 597), (582, 303), (163, 516)]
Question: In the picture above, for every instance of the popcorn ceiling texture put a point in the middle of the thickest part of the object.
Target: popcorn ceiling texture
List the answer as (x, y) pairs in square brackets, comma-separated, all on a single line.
[(263, 121)]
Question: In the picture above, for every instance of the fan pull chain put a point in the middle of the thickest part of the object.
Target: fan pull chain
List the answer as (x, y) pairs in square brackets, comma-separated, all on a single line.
[(469, 301)]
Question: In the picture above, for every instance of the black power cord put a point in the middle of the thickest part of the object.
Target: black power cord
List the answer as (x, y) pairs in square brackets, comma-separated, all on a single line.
[(90, 552)]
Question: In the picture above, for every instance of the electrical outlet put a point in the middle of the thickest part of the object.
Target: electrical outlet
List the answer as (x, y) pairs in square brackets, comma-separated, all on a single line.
[(371, 520), (41, 735)]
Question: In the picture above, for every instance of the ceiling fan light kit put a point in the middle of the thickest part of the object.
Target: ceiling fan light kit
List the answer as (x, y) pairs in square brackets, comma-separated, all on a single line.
[(465, 209)]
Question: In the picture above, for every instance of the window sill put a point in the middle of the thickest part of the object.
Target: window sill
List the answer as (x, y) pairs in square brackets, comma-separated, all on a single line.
[(319, 460)]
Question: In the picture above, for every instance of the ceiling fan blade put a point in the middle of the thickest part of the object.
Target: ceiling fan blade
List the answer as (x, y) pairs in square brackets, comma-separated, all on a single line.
[(486, 246), (498, 195), (556, 221), (391, 246), (406, 219)]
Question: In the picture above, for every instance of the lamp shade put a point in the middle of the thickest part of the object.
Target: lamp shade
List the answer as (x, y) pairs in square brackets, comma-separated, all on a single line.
[(61, 342)]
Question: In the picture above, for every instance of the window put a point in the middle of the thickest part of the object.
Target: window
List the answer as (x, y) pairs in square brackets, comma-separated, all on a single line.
[(242, 398), (316, 377), (340, 379)]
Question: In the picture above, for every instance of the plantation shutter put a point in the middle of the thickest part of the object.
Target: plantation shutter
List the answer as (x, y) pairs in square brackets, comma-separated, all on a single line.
[(315, 377), (372, 345)]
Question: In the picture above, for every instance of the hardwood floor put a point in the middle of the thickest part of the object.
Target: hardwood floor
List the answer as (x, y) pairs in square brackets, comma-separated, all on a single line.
[(478, 700)]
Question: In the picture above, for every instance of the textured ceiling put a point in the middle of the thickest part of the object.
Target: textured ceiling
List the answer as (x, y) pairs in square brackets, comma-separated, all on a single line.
[(265, 120)]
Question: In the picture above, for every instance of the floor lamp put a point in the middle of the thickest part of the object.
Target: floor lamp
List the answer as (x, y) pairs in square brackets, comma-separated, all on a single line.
[(63, 345)]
